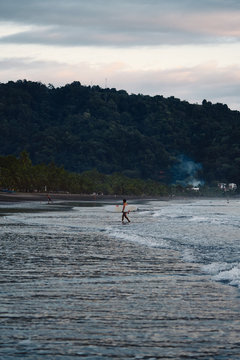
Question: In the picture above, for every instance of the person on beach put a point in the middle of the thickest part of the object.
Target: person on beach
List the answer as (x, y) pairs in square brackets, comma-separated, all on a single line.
[(124, 212), (49, 199)]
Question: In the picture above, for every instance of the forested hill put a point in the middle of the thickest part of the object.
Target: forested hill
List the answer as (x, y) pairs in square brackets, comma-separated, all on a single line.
[(84, 128)]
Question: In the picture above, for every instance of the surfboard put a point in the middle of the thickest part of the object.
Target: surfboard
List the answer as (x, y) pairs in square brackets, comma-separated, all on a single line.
[(118, 208)]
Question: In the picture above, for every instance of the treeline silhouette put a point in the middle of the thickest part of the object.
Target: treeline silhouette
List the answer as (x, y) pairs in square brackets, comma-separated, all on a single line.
[(19, 174), (86, 127)]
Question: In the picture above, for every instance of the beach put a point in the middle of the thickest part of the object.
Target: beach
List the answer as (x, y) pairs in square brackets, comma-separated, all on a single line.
[(76, 284), (19, 197), (6, 197)]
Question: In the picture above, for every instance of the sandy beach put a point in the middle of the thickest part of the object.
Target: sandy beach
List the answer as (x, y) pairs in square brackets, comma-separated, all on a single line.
[(19, 196), (16, 197)]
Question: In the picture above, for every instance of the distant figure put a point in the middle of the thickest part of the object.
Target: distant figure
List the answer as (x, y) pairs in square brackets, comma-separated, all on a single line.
[(49, 199), (124, 212)]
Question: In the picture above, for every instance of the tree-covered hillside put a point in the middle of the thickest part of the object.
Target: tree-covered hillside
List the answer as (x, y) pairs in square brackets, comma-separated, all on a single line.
[(84, 128)]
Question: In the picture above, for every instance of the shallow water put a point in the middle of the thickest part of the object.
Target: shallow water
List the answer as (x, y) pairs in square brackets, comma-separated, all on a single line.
[(76, 284)]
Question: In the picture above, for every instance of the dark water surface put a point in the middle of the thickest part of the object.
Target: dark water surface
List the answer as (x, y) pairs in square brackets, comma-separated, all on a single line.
[(76, 284)]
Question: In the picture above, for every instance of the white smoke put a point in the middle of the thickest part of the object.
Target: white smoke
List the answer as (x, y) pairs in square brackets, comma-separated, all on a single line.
[(185, 172)]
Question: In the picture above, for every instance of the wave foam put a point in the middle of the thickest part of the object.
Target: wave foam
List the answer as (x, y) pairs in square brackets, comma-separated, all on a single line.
[(224, 272), (232, 276), (136, 238)]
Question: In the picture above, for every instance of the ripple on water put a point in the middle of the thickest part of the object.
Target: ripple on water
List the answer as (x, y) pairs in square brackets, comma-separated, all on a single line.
[(90, 295)]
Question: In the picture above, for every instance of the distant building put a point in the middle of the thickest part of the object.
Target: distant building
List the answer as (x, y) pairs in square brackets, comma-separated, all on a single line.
[(232, 186), (225, 187), (194, 188), (222, 186)]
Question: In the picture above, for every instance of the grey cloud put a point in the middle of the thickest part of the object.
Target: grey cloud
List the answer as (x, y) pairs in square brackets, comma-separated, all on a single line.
[(81, 36), (22, 63), (110, 22), (61, 11)]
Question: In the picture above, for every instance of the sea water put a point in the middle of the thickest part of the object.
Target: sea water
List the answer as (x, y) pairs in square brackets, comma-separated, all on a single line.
[(77, 284)]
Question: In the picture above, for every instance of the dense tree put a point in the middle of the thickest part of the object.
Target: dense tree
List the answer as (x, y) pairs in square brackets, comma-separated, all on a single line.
[(82, 128), (19, 174)]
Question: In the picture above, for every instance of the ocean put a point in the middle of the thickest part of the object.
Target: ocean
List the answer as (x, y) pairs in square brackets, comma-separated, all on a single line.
[(77, 284)]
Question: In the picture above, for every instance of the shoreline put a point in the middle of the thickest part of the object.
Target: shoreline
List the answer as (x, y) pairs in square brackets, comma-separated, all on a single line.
[(21, 197)]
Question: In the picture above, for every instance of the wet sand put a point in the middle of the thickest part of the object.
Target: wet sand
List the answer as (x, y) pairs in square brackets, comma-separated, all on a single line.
[(21, 197), (16, 197)]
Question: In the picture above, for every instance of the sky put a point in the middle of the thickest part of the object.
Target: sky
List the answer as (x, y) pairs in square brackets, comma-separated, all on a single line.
[(183, 48)]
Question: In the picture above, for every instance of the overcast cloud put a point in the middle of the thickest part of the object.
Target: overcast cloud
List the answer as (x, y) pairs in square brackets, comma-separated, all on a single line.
[(187, 49), (124, 23)]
